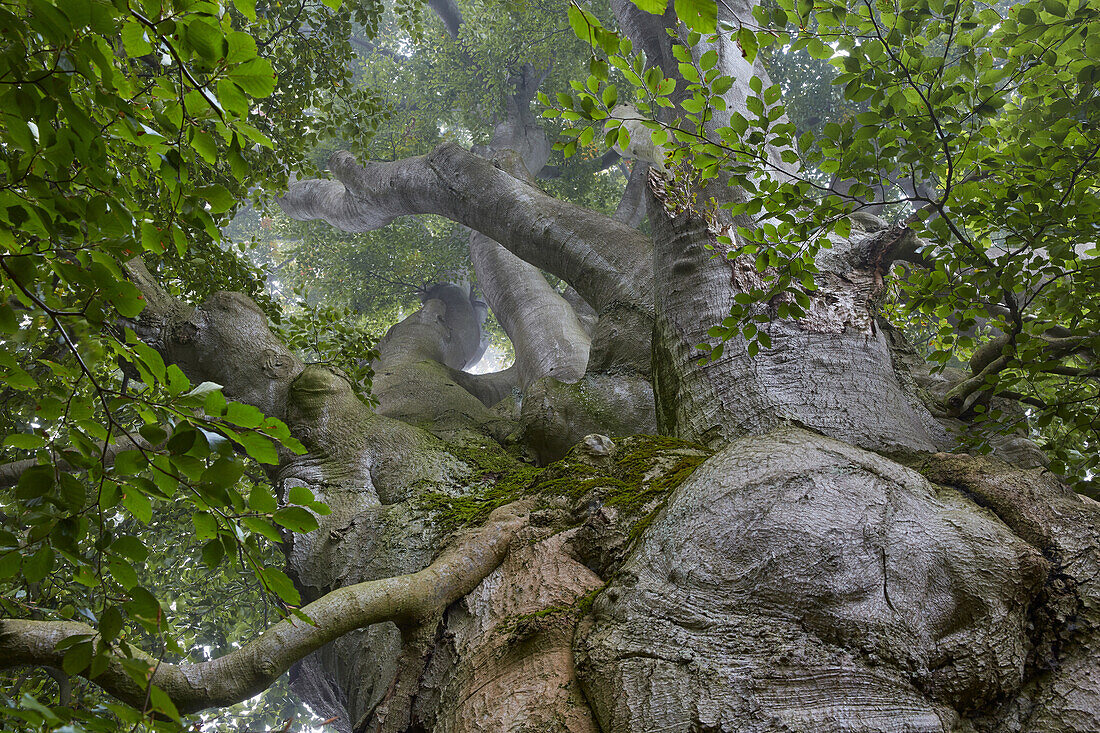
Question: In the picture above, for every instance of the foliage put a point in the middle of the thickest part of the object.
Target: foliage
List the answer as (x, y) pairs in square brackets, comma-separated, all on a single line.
[(135, 129), (431, 91), (992, 110), (333, 336)]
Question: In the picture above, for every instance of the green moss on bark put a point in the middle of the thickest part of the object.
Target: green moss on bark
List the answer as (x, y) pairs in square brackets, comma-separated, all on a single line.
[(643, 470), (496, 478)]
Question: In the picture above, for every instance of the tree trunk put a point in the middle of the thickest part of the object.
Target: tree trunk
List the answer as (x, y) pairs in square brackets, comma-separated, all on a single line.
[(796, 552)]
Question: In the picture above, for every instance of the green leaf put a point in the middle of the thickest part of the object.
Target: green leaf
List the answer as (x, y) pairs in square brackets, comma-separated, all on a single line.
[(162, 703), (262, 528), (278, 582), (9, 563), (7, 319), (128, 299), (204, 388), (296, 519), (206, 526), (245, 416), (35, 481), (260, 500), (256, 78), (38, 566), (155, 434), (110, 623), (134, 39), (699, 15), (143, 604), (122, 572), (217, 196), (213, 552), (131, 547), (138, 505), (247, 8), (24, 441), (205, 38), (232, 99), (204, 143), (656, 7), (130, 462), (584, 24), (259, 448), (300, 495), (77, 658), (241, 47), (225, 472)]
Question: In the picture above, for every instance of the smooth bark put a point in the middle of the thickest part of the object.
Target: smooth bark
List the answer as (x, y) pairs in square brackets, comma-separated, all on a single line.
[(607, 262), (250, 669)]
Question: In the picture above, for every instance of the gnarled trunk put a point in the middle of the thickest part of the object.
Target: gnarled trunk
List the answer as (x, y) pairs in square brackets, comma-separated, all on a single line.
[(795, 552)]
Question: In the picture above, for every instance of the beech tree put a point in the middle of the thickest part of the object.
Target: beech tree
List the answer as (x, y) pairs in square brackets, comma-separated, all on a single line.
[(719, 490)]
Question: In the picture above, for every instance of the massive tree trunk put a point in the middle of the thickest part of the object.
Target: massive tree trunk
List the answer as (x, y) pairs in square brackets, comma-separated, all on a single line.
[(799, 550)]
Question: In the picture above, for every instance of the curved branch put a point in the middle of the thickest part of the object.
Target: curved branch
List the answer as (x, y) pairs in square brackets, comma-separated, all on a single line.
[(998, 354), (547, 335), (606, 261), (250, 669), (10, 472), (490, 388)]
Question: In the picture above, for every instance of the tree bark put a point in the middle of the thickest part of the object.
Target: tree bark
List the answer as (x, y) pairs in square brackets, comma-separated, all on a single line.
[(607, 262), (794, 553)]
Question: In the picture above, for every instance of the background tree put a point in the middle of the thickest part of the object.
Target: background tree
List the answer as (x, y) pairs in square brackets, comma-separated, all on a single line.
[(807, 547)]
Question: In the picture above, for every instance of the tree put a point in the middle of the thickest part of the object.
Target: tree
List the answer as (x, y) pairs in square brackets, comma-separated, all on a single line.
[(788, 529)]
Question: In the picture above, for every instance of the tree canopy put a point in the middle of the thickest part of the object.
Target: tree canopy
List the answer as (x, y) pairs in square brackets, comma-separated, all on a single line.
[(134, 499)]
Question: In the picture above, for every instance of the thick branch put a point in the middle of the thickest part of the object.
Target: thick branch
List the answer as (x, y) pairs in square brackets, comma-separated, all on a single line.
[(449, 13), (10, 472), (547, 335), (631, 208), (250, 669), (997, 355), (606, 261), (490, 388)]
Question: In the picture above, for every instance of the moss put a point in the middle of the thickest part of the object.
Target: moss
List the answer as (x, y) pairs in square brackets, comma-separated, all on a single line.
[(497, 478), (643, 470), (584, 603), (523, 625), (633, 467)]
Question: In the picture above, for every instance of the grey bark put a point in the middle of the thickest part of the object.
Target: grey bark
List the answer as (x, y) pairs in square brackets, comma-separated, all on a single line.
[(794, 581), (797, 583), (449, 13), (548, 338), (607, 262), (631, 209), (831, 371)]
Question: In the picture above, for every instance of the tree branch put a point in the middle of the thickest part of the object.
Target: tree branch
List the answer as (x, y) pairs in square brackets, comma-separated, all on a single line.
[(250, 669), (490, 388), (548, 337), (10, 472), (449, 13), (606, 261), (631, 209), (998, 354)]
